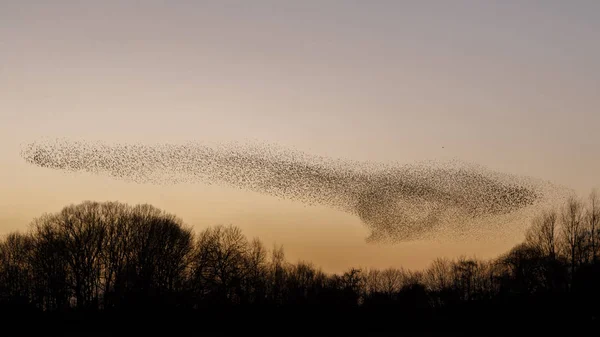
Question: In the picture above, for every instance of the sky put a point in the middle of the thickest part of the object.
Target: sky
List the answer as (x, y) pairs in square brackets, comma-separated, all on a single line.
[(510, 85)]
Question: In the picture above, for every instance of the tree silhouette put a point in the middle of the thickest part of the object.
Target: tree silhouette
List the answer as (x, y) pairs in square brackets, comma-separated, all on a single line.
[(573, 232), (119, 264)]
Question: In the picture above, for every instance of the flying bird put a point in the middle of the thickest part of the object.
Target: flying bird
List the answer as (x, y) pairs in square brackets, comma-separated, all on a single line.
[(397, 202)]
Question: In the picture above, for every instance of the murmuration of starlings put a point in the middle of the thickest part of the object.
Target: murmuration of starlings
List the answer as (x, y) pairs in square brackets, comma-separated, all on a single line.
[(396, 202)]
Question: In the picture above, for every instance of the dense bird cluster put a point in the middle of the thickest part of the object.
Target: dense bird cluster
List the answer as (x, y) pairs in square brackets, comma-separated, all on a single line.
[(396, 202)]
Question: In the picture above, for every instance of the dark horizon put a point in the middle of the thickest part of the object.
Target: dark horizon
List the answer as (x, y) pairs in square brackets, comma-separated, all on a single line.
[(93, 267), (508, 85)]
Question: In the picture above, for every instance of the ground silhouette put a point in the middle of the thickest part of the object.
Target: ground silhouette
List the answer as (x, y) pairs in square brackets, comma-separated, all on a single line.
[(111, 269)]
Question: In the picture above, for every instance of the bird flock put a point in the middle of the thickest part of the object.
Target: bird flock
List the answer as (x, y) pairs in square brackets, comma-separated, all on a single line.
[(396, 202)]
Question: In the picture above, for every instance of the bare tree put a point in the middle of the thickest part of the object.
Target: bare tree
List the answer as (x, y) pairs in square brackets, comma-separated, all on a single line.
[(392, 280), (256, 271), (278, 273), (50, 268), (354, 279), (15, 268), (525, 269), (303, 282), (573, 233), (353, 284), (438, 280), (439, 275), (117, 251), (159, 248), (463, 272), (543, 234), (373, 281), (592, 218), (222, 254), (81, 232)]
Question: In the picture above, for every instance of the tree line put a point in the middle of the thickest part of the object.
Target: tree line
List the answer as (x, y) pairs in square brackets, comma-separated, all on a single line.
[(111, 260)]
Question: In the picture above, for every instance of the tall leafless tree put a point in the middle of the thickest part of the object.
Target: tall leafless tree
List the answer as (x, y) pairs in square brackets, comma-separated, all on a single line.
[(573, 233), (592, 218), (543, 234)]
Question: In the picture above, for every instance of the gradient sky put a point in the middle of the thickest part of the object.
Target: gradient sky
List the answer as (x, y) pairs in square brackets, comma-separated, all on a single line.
[(511, 85)]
